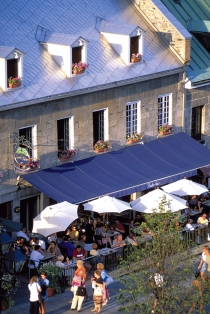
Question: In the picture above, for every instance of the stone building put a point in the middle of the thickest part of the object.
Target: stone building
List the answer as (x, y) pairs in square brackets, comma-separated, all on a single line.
[(169, 17), (53, 108)]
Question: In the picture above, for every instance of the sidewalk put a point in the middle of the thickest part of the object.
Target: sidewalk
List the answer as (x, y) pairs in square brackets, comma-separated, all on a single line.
[(59, 303)]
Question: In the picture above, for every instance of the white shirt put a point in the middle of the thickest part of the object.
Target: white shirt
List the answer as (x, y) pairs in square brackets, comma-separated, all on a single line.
[(36, 256), (188, 227), (203, 256), (42, 244), (33, 288), (158, 280), (22, 235)]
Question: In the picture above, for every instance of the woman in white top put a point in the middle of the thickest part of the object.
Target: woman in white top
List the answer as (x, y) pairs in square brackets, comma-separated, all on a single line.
[(202, 265), (34, 289)]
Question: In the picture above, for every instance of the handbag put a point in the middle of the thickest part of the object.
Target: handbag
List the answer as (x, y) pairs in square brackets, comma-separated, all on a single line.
[(98, 291), (81, 292)]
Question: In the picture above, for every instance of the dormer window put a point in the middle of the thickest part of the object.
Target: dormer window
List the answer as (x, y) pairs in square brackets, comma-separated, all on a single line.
[(126, 39), (65, 49), (11, 61)]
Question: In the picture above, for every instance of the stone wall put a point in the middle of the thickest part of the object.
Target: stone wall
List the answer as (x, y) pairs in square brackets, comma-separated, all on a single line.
[(159, 17), (45, 115), (194, 98)]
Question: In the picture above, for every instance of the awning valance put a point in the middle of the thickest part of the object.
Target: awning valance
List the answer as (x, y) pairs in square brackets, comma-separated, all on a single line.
[(122, 172)]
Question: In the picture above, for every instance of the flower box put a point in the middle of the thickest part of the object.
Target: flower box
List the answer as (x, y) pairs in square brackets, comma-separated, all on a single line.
[(135, 60), (75, 72), (14, 85), (67, 154), (102, 146), (99, 150), (79, 68), (131, 141)]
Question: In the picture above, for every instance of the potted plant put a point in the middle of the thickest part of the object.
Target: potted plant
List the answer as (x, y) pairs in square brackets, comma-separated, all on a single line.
[(165, 129), (14, 82), (135, 137), (33, 163), (79, 68), (9, 285), (53, 274), (102, 146), (67, 154), (135, 57)]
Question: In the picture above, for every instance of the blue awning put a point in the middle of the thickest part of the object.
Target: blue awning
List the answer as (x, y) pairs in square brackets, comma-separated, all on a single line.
[(122, 172)]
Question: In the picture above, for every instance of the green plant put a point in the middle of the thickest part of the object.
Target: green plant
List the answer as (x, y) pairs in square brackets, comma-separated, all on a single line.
[(14, 80), (53, 275), (135, 136), (106, 145), (166, 254), (165, 128), (68, 153), (9, 285), (80, 66)]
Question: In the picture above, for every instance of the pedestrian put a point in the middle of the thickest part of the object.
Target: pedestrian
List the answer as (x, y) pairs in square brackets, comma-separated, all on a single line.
[(44, 283), (97, 284), (197, 294), (80, 267), (34, 289), (78, 281), (104, 276), (156, 285), (202, 265)]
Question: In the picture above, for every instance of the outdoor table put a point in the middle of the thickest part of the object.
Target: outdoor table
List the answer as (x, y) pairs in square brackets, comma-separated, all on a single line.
[(110, 234), (47, 257)]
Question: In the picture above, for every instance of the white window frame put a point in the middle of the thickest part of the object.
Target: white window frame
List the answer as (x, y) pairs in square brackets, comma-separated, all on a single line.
[(138, 118), (106, 122), (33, 139), (168, 119), (71, 131)]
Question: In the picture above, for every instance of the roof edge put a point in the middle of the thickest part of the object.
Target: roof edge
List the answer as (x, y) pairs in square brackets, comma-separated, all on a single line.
[(93, 89)]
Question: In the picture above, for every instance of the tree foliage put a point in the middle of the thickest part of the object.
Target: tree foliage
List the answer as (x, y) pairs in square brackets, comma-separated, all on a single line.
[(166, 253)]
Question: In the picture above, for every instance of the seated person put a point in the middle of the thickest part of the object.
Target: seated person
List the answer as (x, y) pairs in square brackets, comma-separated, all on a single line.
[(131, 239), (118, 244), (193, 201), (94, 252), (203, 221), (59, 262), (74, 234), (199, 207), (138, 220), (54, 249), (117, 226), (146, 235), (41, 243), (79, 254), (68, 246), (188, 226), (36, 256)]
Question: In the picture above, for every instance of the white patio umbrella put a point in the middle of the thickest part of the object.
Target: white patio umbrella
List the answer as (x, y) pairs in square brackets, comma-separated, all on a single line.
[(55, 218), (151, 201), (107, 204), (185, 187)]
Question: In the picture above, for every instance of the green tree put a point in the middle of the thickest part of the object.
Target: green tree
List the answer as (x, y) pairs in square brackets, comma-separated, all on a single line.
[(168, 254)]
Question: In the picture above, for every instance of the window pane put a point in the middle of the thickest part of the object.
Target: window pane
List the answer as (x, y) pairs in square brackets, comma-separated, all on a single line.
[(131, 118), (163, 110)]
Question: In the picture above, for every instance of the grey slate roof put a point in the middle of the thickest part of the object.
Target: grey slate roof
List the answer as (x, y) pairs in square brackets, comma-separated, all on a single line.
[(113, 28), (5, 51), (44, 78)]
